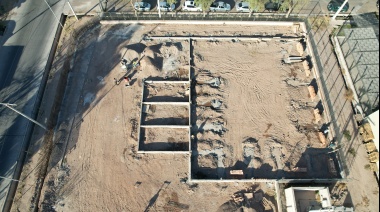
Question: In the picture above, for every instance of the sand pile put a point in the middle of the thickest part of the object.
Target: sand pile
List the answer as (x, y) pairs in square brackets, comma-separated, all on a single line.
[(131, 55), (171, 60), (170, 64), (209, 161), (149, 63), (132, 51), (169, 51), (204, 145), (150, 53), (149, 67)]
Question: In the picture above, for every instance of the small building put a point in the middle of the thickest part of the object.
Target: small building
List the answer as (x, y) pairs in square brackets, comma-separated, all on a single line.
[(311, 199)]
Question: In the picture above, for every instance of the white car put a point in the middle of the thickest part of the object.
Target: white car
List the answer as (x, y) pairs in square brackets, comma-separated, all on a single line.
[(190, 6), (164, 6), (243, 7), (220, 7), (142, 6)]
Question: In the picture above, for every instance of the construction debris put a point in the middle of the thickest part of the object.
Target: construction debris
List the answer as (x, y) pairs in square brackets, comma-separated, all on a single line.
[(317, 115), (322, 139), (366, 132), (373, 157), (311, 92), (370, 147), (306, 68)]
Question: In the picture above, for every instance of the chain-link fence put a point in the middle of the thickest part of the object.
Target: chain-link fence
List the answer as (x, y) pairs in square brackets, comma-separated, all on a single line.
[(131, 16), (299, 14)]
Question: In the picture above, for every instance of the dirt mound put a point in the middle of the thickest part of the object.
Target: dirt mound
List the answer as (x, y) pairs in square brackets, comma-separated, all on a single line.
[(169, 51), (150, 52), (149, 67), (209, 161), (138, 47), (170, 64), (130, 54)]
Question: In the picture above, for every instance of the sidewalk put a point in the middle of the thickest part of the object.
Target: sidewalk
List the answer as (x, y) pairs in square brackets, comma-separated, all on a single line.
[(92, 7)]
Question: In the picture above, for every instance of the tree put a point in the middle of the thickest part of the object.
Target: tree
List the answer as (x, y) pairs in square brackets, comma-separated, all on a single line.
[(170, 2), (256, 5), (290, 5), (204, 4)]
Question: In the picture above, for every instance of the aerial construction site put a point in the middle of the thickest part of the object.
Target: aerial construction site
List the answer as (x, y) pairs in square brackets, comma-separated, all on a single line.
[(191, 111)]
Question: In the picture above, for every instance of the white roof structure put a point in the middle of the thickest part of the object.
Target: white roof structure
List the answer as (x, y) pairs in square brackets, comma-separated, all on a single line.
[(334, 209), (373, 120), (305, 198), (311, 199)]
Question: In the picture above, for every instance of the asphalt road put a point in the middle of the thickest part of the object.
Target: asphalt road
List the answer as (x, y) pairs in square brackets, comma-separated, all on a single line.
[(25, 48), (91, 6)]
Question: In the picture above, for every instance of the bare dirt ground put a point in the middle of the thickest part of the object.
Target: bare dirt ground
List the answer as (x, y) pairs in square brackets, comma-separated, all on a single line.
[(94, 164), (267, 115)]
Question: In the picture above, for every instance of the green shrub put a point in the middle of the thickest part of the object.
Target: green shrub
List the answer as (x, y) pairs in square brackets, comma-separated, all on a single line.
[(352, 152), (347, 135)]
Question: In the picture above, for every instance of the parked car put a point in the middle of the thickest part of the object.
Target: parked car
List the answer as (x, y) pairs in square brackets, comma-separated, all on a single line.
[(334, 5), (272, 6), (142, 6), (220, 7), (164, 6), (190, 6), (243, 7)]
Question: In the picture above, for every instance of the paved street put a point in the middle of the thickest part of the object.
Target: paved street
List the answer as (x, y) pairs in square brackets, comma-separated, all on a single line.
[(92, 7), (23, 55)]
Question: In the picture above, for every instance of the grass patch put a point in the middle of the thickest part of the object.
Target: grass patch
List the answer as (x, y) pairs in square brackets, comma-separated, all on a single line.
[(352, 152), (319, 22), (347, 135), (349, 94), (367, 167), (341, 31)]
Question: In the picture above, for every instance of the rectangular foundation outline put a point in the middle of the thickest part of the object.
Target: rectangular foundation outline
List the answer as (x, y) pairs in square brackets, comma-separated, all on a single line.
[(188, 104), (320, 94)]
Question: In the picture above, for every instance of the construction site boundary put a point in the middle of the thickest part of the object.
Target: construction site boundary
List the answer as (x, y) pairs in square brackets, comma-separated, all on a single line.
[(316, 69)]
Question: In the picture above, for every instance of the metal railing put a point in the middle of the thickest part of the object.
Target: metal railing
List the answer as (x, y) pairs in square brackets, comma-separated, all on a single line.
[(170, 16)]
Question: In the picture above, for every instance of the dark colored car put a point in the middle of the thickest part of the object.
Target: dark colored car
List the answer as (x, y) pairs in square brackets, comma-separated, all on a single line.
[(334, 5), (272, 6)]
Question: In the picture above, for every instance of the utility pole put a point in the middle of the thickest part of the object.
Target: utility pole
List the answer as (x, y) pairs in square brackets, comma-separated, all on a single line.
[(340, 8), (159, 8), (72, 9), (54, 13), (10, 106)]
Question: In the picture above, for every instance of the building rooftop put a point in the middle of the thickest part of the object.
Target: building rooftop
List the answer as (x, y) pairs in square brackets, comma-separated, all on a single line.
[(311, 199)]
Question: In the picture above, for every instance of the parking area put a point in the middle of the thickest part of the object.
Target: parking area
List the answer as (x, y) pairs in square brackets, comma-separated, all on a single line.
[(92, 6)]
